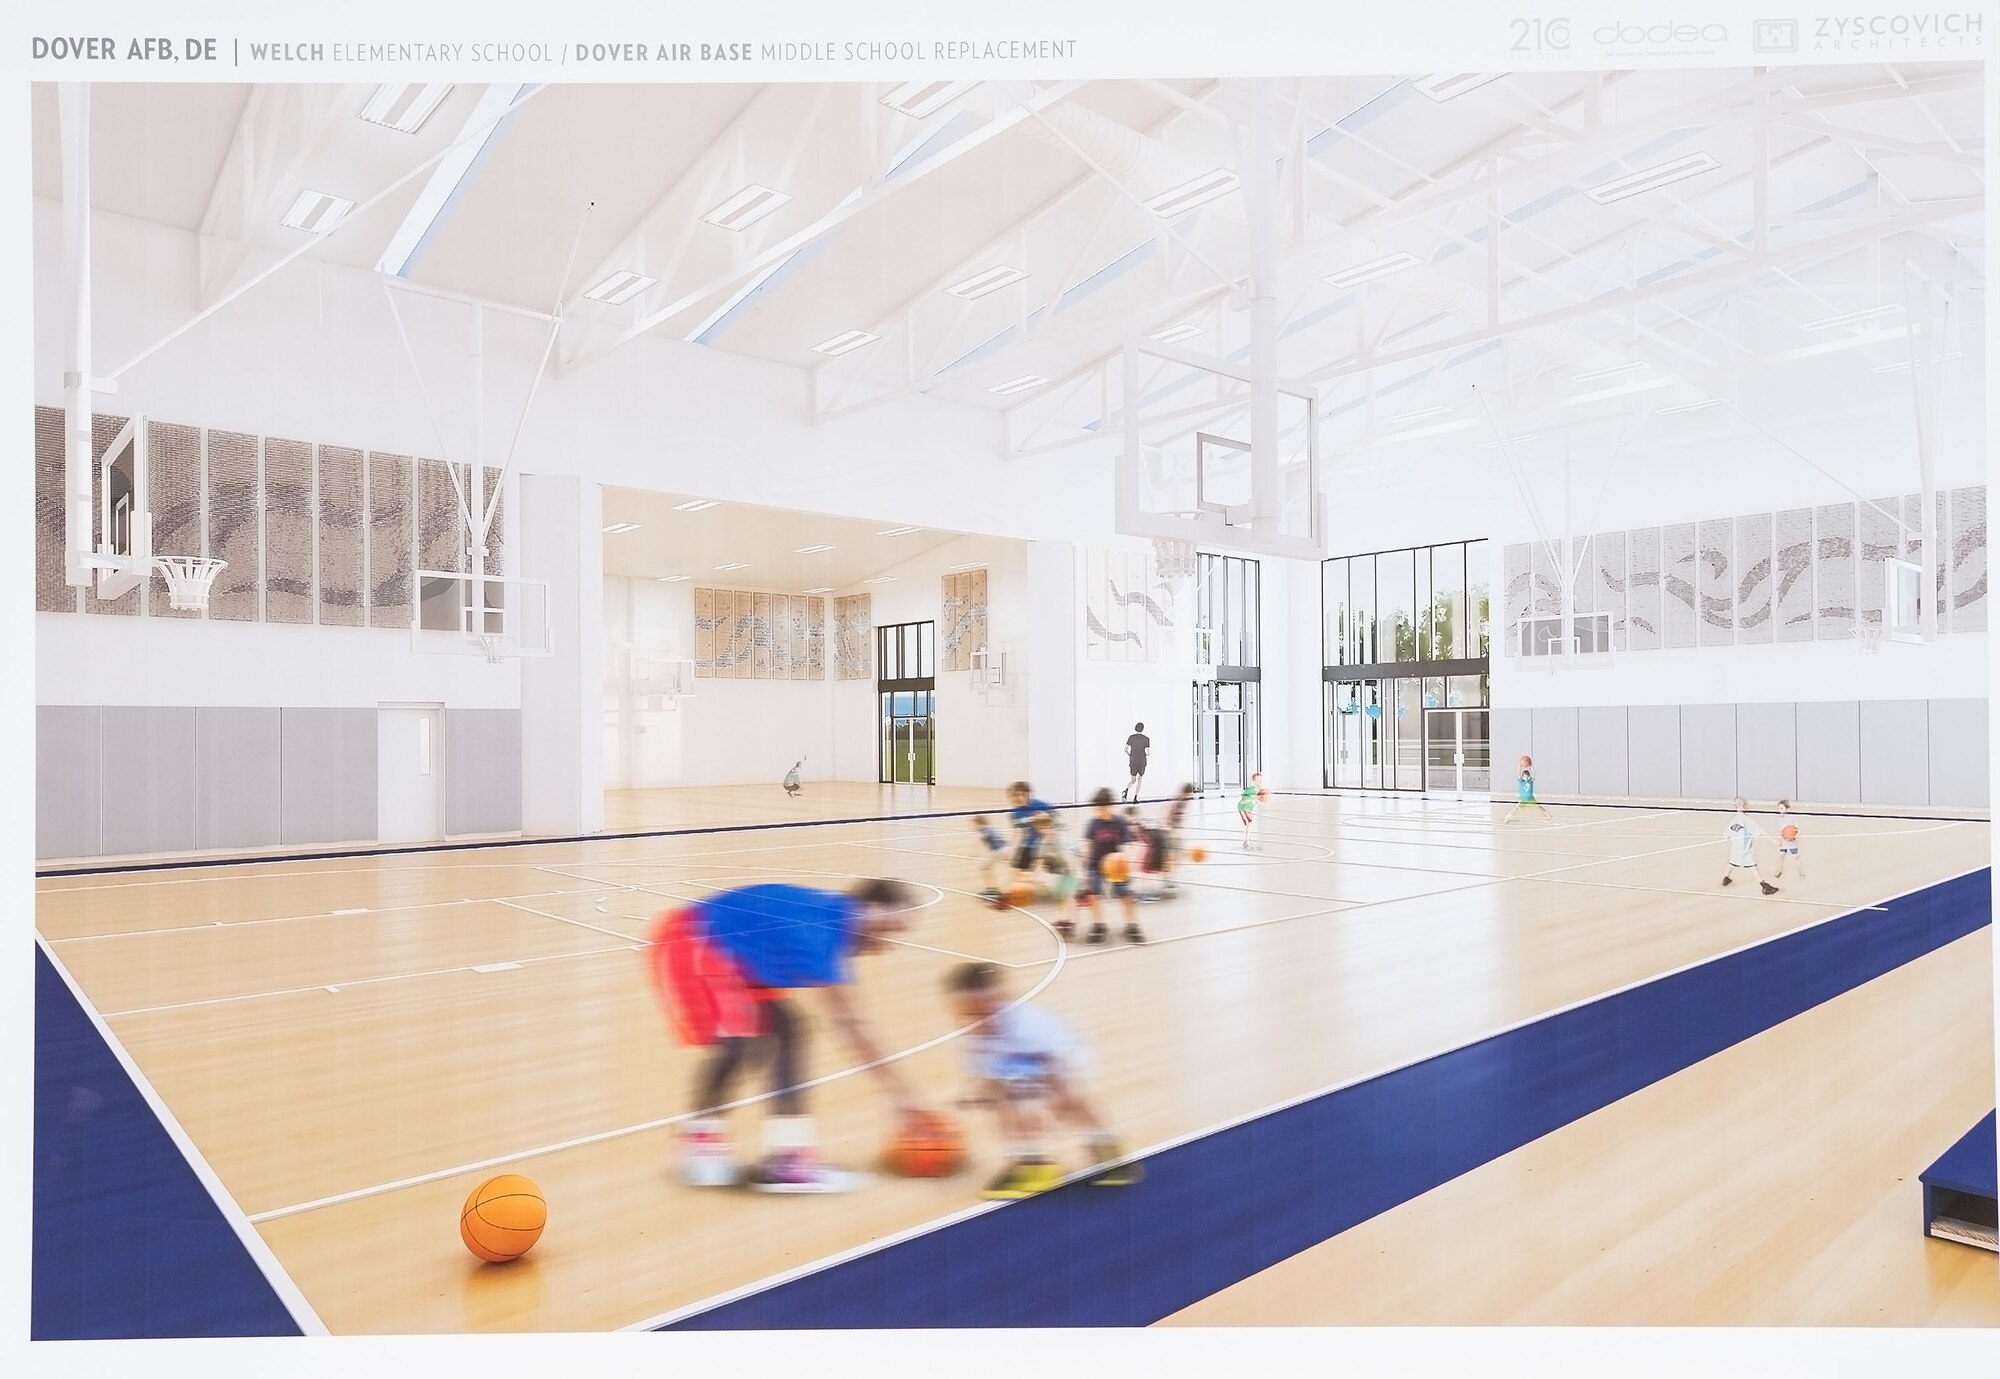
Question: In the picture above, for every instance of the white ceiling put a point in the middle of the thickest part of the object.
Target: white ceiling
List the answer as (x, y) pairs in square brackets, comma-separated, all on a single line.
[(1829, 181), (769, 543)]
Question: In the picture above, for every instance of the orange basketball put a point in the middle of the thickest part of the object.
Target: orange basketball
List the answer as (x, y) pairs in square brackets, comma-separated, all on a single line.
[(503, 1218), (1197, 855), (1021, 894), (1116, 868), (927, 1146), (1790, 833)]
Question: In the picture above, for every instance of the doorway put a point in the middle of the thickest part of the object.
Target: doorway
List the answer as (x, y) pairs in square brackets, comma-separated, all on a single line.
[(1225, 734), (408, 773), (1459, 752), (909, 731)]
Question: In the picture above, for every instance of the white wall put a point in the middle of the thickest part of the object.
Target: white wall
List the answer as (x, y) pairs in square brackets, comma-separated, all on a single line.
[(1293, 727), (745, 731), (171, 662), (1113, 695)]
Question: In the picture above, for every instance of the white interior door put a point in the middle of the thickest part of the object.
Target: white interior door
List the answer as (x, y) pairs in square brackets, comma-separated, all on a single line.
[(409, 770)]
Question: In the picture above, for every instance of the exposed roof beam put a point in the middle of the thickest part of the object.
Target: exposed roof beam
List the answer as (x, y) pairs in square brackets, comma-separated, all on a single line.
[(680, 298), (282, 126)]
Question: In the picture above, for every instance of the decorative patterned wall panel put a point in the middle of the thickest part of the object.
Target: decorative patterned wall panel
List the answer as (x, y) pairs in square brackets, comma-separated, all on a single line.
[(52, 591), (1965, 552), (1833, 572), (1755, 585), (288, 531), (962, 620), (441, 538), (1677, 585), (342, 545), (704, 633), (1715, 582), (1607, 578), (234, 509), (496, 534), (1126, 618), (1642, 604), (392, 533), (816, 637), (1546, 588), (1583, 590), (104, 430), (1879, 537), (760, 636), (854, 637), (1792, 535), (1516, 596), (173, 493)]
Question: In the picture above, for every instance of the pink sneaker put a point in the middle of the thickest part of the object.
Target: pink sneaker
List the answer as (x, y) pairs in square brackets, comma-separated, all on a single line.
[(800, 1170), (706, 1157)]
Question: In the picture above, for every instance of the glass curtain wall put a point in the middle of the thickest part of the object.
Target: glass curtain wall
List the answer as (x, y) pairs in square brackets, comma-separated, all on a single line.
[(1405, 643)]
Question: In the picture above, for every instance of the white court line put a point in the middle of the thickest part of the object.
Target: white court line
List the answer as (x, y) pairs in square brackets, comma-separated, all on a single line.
[(253, 1242), (323, 914), (1153, 1151), (601, 1136), (360, 981), (561, 919)]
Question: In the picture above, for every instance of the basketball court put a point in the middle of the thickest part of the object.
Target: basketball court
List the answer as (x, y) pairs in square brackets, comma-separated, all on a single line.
[(511, 525)]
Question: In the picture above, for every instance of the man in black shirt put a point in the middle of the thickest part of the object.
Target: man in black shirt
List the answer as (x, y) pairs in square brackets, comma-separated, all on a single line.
[(1136, 747)]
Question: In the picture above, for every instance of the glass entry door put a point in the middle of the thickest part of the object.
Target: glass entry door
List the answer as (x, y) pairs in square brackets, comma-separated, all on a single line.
[(1225, 734), (909, 736), (1357, 736), (1458, 757)]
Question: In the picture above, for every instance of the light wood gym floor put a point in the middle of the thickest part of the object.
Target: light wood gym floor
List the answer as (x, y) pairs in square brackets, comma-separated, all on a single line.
[(353, 1044)]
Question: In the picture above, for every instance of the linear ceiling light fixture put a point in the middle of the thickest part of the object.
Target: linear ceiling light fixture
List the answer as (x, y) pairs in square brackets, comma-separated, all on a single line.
[(1699, 406), (922, 99), (1609, 371), (697, 505), (735, 565), (1444, 86), (1375, 268), (1177, 200), (404, 106), (845, 341), (1018, 385), (880, 579), (1904, 364), (811, 550), (821, 589), (898, 531), (1510, 440), (1652, 179), (746, 208), (620, 287), (1173, 335), (980, 284), (317, 212), (1420, 414), (674, 579), (1853, 318), (617, 527)]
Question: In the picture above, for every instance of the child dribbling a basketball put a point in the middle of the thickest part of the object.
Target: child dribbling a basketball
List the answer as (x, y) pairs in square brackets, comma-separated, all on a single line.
[(1524, 792), (1253, 795), (1788, 842), (1108, 872), (1025, 1061), (992, 860)]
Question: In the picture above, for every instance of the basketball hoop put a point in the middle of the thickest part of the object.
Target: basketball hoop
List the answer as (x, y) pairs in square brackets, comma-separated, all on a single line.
[(1870, 639), (189, 579), (491, 644)]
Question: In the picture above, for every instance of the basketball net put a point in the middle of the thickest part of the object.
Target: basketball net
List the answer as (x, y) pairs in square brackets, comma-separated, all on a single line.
[(1174, 561), (189, 579), (1870, 639)]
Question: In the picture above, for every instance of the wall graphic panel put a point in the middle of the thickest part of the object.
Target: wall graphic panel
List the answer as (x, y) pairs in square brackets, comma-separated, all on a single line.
[(1965, 552), (1677, 585), (1715, 582), (52, 591), (342, 544), (1642, 606), (1126, 616), (963, 612), (1792, 535), (234, 512), (104, 430), (392, 534), (1833, 572), (288, 531), (704, 634), (1607, 578), (173, 492), (1754, 579), (854, 637)]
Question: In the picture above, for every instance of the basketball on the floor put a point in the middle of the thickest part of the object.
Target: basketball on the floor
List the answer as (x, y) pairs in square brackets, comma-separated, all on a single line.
[(1020, 894), (1116, 868), (927, 1146), (503, 1218), (1197, 854)]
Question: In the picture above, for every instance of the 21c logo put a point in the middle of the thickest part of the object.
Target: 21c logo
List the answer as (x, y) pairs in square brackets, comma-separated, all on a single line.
[(1539, 35)]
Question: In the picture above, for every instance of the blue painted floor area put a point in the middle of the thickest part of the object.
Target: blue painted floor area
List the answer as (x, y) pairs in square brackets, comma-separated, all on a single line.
[(128, 1244), (1213, 1212)]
